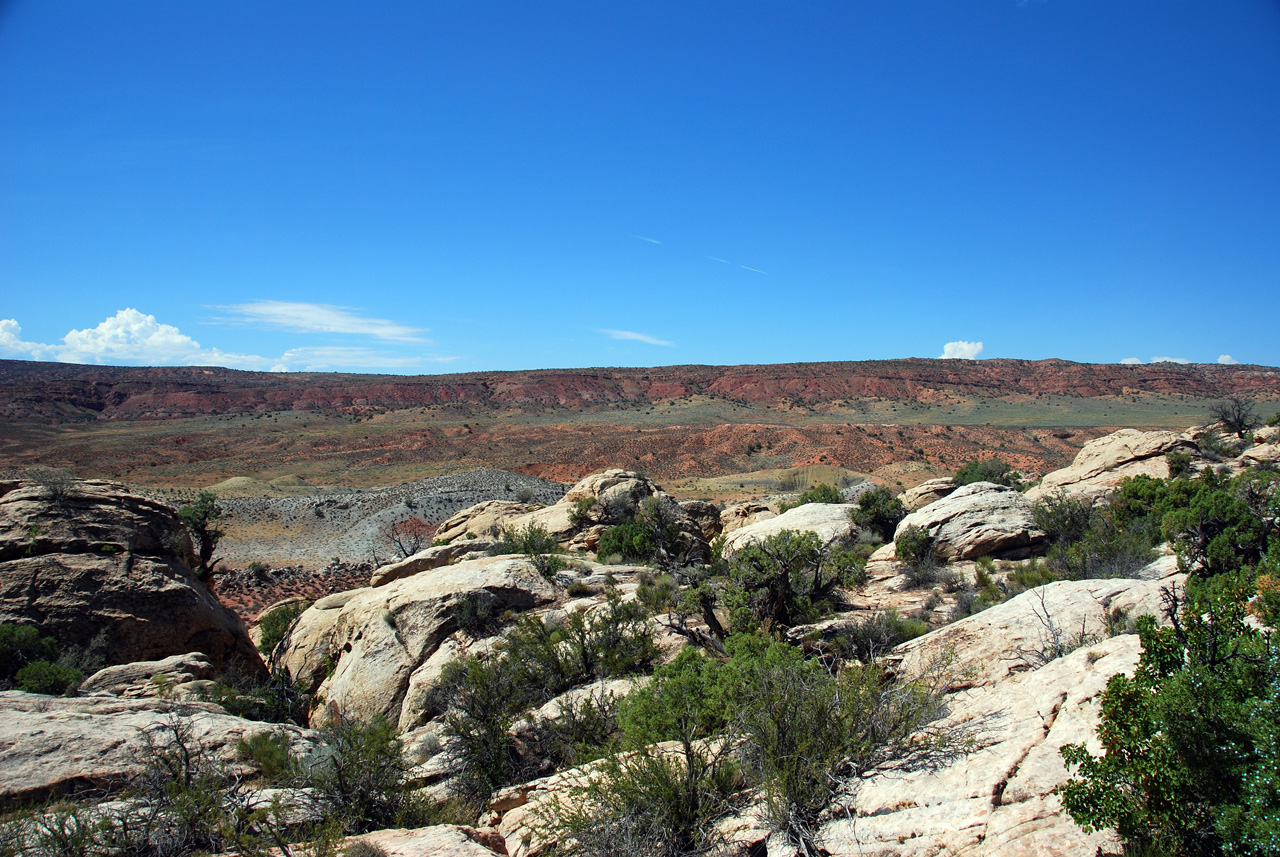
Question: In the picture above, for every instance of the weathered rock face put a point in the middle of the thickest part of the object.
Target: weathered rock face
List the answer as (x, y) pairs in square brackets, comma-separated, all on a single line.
[(53, 744), (980, 519), (425, 560), (829, 520), (997, 801), (112, 570), (441, 840), (705, 516), (617, 494), (482, 520), (1265, 453), (738, 515), (371, 652), (1104, 463), (148, 678), (929, 491)]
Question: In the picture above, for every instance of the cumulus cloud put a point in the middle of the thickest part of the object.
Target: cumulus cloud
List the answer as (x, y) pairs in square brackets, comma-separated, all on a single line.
[(1228, 360), (636, 337), (134, 338), (128, 337), (322, 318), (961, 350), (1132, 361), (1169, 360)]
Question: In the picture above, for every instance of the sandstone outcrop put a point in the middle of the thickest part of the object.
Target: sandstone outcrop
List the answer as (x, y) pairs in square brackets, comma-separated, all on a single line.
[(483, 520), (929, 491), (980, 519), (105, 569), (370, 652), (149, 678), (52, 744), (441, 840), (1105, 462), (738, 515), (705, 516), (829, 520), (997, 801), (432, 557), (615, 495)]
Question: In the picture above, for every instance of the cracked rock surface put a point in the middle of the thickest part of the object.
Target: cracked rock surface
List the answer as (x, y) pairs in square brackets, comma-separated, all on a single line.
[(999, 799)]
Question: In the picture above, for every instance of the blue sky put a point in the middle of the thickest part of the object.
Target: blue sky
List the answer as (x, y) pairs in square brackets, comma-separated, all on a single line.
[(456, 186)]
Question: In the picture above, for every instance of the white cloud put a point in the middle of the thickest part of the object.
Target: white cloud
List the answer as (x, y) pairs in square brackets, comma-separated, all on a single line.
[(1131, 361), (637, 337), (134, 338), (12, 344), (643, 238), (1228, 360), (1169, 360), (961, 350), (325, 358), (322, 318), (757, 270), (128, 337), (718, 259)]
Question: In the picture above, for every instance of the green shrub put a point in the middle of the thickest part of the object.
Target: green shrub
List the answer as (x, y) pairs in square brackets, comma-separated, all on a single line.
[(988, 470), (359, 776), (51, 679), (878, 512), (530, 540), (200, 520), (477, 613), (482, 696), (273, 699), (1192, 739), (274, 625), (867, 639), (269, 752), (781, 581), (1062, 517), (534, 542), (364, 848), (21, 645), (628, 540), (651, 536), (820, 493), (1179, 464), (1105, 550), (581, 515)]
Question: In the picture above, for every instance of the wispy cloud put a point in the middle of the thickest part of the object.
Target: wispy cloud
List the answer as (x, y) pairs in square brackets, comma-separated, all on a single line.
[(133, 338), (643, 238), (322, 318), (1227, 360), (757, 270), (961, 350), (718, 259), (324, 358), (636, 337)]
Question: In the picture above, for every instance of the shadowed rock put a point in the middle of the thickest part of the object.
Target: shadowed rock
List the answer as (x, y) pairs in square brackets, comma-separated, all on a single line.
[(107, 570)]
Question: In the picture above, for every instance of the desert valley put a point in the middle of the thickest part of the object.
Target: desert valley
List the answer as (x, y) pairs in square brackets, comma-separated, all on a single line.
[(855, 608)]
